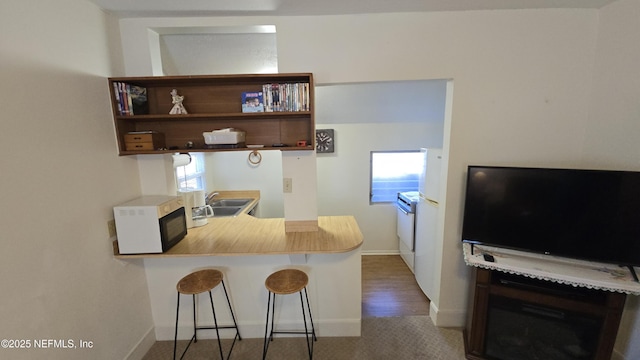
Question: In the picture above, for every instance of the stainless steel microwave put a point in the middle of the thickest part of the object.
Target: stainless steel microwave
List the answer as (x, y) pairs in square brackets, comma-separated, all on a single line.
[(150, 224)]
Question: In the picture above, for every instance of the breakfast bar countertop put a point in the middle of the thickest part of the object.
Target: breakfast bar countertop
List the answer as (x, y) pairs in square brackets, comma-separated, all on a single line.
[(248, 235), (247, 249)]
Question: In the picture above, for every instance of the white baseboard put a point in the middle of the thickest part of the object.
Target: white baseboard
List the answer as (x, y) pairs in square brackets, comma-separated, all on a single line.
[(452, 319), (142, 347), (380, 252), (325, 328)]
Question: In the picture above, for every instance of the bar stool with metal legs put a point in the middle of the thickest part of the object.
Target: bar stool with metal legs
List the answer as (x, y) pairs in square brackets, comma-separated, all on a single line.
[(196, 283), (286, 282)]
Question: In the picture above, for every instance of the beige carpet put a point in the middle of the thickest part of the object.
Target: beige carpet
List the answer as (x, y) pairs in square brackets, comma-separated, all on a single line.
[(384, 338)]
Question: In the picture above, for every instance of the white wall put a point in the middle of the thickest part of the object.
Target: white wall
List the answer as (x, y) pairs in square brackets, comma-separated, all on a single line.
[(612, 134), (387, 116), (343, 176), (611, 139), (60, 177), (231, 170), (522, 86), (522, 81)]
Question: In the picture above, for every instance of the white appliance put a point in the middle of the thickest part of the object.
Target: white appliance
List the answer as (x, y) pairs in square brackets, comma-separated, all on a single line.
[(188, 199), (150, 224), (200, 211), (426, 221), (195, 206), (406, 210)]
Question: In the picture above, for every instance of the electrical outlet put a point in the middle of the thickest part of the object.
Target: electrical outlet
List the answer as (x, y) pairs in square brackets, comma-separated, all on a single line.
[(287, 185), (111, 225)]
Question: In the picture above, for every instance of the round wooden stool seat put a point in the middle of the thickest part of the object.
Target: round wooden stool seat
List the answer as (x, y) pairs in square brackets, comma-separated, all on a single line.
[(199, 281), (193, 284), (286, 281)]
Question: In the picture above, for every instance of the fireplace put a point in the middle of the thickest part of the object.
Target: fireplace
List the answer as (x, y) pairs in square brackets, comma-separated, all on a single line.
[(525, 331), (518, 318)]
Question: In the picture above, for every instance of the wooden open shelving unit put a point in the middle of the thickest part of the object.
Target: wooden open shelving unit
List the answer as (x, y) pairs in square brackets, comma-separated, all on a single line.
[(214, 102)]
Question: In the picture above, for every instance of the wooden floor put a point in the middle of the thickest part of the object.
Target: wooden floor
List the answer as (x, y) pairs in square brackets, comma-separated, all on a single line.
[(389, 288)]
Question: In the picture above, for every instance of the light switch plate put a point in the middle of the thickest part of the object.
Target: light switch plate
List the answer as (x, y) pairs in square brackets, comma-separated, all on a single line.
[(287, 186)]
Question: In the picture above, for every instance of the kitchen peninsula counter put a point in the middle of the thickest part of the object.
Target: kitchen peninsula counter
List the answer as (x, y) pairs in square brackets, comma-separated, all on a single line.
[(248, 235), (247, 249)]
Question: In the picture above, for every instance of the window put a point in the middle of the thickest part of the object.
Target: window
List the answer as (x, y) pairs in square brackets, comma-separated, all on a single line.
[(191, 176), (393, 172)]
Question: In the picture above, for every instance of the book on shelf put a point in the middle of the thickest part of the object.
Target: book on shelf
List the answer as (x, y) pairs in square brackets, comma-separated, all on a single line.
[(252, 101), (130, 99), (286, 97)]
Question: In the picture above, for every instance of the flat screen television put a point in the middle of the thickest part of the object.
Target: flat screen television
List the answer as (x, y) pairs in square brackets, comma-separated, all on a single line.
[(583, 214)]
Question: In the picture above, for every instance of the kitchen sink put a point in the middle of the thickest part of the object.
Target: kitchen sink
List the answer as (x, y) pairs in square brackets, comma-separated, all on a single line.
[(219, 211), (230, 202)]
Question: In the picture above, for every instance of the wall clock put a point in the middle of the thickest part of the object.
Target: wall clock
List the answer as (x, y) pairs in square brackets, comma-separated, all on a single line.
[(324, 141)]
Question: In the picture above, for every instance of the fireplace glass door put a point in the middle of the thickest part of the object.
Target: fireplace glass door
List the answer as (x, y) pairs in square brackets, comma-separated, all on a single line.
[(517, 330)]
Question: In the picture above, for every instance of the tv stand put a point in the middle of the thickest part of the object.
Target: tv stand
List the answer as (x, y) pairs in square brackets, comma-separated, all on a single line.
[(516, 317), (560, 270), (523, 304)]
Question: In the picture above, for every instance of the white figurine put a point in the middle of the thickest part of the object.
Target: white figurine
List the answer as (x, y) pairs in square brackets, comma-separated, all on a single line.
[(178, 108)]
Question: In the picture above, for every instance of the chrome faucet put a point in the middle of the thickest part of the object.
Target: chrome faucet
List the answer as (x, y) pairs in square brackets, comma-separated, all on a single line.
[(210, 197)]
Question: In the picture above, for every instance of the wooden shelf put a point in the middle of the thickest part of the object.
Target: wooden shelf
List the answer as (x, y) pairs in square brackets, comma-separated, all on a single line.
[(247, 116), (213, 102), (182, 150)]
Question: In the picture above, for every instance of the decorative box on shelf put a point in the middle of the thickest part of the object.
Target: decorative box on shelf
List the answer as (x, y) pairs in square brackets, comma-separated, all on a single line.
[(228, 136), (144, 140)]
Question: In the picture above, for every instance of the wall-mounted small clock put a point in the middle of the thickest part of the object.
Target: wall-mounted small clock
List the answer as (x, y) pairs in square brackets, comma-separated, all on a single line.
[(324, 140)]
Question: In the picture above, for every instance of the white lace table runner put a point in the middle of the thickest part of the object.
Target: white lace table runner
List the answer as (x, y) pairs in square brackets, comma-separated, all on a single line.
[(580, 273)]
